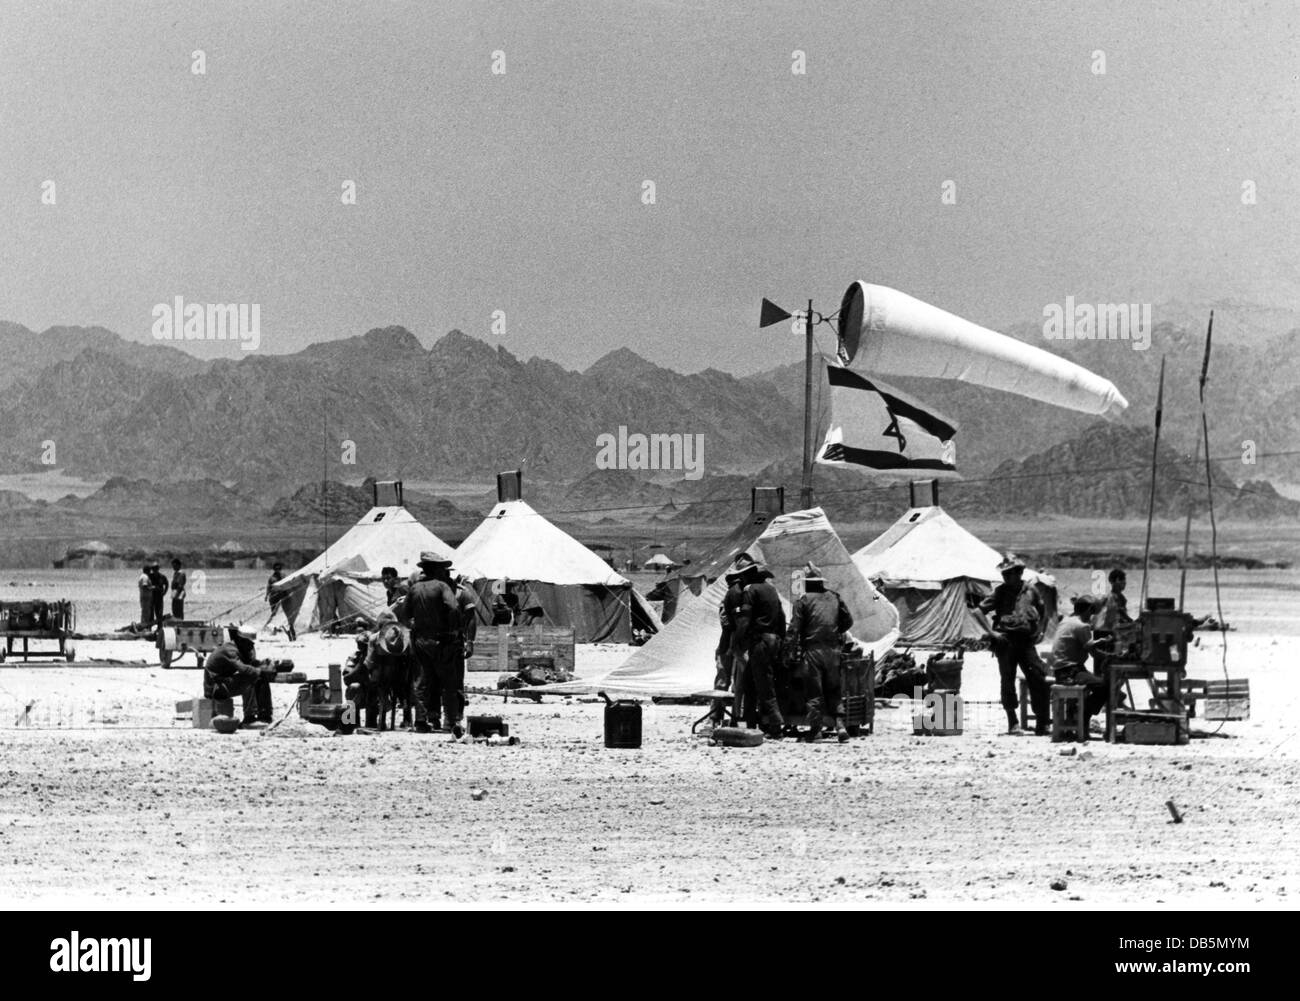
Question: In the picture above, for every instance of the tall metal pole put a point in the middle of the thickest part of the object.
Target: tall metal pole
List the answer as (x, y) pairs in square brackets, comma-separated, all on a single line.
[(1187, 532), (805, 495), (1151, 504)]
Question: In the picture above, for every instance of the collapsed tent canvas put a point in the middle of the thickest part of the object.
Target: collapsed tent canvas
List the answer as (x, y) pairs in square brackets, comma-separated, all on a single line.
[(935, 572), (679, 661), (516, 548), (343, 581), (696, 577)]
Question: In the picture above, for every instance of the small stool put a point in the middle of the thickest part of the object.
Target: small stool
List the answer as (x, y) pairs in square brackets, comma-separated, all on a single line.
[(1069, 717), (1025, 714)]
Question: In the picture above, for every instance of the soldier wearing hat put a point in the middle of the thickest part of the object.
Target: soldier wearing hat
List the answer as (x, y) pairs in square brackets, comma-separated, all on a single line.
[(760, 630), (356, 676), (277, 599), (431, 611), (1016, 614), (233, 669), (818, 622)]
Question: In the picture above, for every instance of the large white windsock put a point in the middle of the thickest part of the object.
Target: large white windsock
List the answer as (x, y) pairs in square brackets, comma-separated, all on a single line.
[(888, 332)]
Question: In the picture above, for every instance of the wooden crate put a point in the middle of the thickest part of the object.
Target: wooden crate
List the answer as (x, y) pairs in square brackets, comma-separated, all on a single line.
[(1154, 728), (497, 649), (1227, 700)]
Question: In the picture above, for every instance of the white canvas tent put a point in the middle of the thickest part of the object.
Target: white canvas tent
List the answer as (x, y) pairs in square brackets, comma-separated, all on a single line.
[(343, 581), (546, 566), (933, 570), (679, 661)]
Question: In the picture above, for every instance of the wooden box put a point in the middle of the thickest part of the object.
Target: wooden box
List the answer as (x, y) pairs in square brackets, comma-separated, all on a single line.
[(1227, 700), (204, 709), (1154, 728), (498, 648)]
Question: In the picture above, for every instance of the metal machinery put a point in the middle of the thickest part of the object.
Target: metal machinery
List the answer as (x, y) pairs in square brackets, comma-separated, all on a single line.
[(1152, 649), (185, 636), (38, 620)]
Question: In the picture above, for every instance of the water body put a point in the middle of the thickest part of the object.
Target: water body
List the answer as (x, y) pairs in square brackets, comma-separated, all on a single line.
[(1254, 601)]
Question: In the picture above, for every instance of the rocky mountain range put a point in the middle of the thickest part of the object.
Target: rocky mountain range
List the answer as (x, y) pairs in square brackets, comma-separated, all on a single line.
[(225, 447), (378, 404)]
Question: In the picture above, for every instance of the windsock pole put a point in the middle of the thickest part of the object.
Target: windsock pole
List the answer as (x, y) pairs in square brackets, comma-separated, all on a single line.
[(805, 494)]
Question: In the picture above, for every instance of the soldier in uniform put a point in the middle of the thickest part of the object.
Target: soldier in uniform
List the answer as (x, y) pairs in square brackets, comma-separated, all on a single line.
[(760, 627), (394, 588), (1071, 645), (179, 580), (145, 586), (233, 669), (1109, 618), (431, 611), (157, 588), (467, 604), (818, 622), (728, 656), (1016, 613)]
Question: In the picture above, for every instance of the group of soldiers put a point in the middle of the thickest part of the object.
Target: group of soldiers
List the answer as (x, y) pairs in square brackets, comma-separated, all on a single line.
[(153, 585), (1016, 615), (427, 674), (415, 656), (757, 644)]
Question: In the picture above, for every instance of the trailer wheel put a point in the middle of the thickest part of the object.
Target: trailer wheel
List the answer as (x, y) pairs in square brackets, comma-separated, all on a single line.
[(165, 658), (70, 654)]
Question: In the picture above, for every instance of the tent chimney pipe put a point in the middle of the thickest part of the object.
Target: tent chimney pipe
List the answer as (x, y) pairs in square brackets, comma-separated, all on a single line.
[(923, 493), (769, 500), (510, 485)]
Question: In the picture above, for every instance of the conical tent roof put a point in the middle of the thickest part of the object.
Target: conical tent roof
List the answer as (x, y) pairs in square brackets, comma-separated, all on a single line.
[(679, 660), (930, 568), (925, 548), (514, 542), (344, 580), (547, 567)]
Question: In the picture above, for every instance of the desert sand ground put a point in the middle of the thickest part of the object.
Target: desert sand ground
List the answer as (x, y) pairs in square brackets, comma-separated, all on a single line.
[(131, 808)]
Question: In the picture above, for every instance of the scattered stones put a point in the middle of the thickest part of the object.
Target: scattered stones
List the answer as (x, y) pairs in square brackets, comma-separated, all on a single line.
[(478, 794), (1068, 752), (1059, 884)]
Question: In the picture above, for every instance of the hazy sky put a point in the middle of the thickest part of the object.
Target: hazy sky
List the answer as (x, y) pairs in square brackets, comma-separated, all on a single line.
[(523, 191)]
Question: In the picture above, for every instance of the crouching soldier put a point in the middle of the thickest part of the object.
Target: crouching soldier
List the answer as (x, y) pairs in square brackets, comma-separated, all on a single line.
[(233, 669), (817, 623), (760, 631), (356, 676)]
